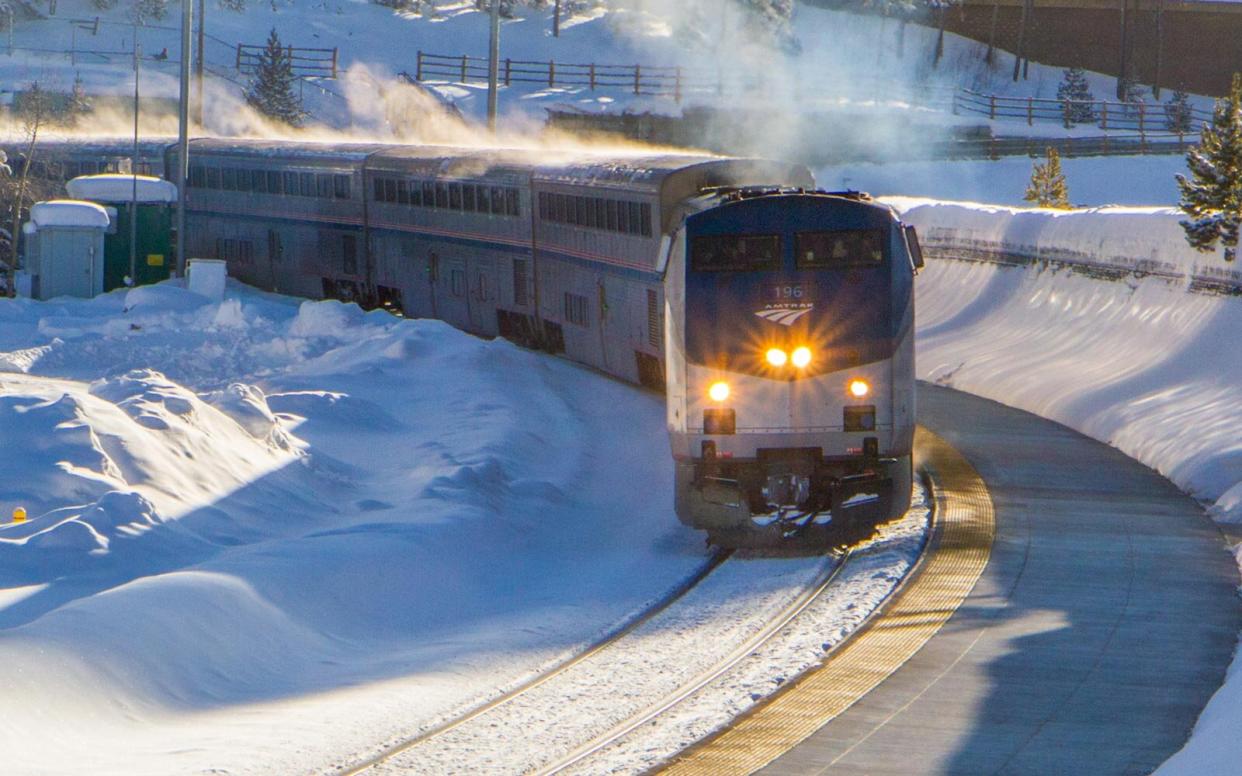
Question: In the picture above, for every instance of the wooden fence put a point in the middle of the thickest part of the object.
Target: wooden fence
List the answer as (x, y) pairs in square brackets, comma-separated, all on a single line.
[(1140, 117), (639, 79), (307, 62)]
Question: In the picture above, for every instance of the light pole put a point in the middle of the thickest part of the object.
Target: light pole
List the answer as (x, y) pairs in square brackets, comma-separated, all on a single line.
[(493, 67), (183, 133)]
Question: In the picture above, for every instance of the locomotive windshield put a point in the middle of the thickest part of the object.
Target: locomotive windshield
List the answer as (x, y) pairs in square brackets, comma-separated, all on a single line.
[(735, 253), (839, 249)]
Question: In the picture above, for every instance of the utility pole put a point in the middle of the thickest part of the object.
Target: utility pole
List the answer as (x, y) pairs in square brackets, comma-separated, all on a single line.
[(493, 67), (1124, 65), (198, 62), (133, 171), (1155, 84), (183, 132), (1021, 54), (556, 19)]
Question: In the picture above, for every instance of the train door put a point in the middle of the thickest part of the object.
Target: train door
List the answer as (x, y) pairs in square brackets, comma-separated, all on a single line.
[(484, 296), (614, 324), (452, 291)]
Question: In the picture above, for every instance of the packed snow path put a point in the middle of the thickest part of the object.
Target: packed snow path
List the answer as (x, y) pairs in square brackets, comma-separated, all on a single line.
[(1102, 625)]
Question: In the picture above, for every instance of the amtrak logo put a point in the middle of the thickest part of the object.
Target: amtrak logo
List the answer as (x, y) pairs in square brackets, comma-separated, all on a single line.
[(784, 316)]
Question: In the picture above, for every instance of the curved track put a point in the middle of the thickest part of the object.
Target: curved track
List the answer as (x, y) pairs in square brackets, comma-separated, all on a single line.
[(714, 562), (1104, 620)]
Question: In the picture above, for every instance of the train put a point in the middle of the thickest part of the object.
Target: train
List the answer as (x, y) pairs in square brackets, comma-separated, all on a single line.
[(776, 318)]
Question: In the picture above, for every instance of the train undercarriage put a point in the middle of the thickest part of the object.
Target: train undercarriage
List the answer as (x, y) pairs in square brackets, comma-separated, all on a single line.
[(792, 498)]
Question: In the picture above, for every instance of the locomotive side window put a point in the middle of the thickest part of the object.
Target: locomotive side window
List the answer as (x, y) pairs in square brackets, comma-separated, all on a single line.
[(735, 253), (830, 250)]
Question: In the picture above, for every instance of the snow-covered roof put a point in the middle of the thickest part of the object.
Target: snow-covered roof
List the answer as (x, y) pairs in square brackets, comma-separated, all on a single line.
[(68, 212), (118, 188)]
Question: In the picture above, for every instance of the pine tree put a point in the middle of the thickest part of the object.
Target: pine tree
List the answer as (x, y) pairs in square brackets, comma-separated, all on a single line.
[(1047, 187), (1212, 195), (78, 105), (1177, 114), (1075, 94), (271, 91)]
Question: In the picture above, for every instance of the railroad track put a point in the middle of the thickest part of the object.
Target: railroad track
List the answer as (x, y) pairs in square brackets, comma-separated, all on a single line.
[(629, 626), (722, 667), (657, 666)]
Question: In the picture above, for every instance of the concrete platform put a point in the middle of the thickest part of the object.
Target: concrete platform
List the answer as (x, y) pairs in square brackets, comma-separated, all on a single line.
[(1104, 621)]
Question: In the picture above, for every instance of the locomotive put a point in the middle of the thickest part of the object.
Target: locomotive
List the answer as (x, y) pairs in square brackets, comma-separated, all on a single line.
[(777, 318)]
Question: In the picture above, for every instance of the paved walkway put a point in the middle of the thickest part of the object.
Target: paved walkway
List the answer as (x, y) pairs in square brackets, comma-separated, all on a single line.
[(1101, 627)]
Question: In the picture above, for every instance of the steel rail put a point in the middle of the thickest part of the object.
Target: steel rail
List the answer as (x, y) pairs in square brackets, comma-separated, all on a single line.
[(775, 626), (714, 562)]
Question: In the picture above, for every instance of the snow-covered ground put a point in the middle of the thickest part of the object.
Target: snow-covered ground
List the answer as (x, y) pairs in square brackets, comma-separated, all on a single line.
[(264, 533)]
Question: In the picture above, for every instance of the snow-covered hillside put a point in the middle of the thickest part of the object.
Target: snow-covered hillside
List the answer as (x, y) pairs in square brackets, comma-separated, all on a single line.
[(873, 68)]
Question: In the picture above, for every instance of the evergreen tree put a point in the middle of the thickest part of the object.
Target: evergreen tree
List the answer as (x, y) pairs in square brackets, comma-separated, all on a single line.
[(1075, 94), (1212, 194), (1177, 114), (1047, 187), (78, 105), (271, 91)]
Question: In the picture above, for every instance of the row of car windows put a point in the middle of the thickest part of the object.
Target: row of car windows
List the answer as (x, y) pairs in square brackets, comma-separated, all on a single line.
[(449, 195), (294, 184), (612, 215)]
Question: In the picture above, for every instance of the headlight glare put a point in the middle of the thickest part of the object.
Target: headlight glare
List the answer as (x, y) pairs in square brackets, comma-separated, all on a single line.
[(718, 391), (802, 357), (777, 357), (859, 388)]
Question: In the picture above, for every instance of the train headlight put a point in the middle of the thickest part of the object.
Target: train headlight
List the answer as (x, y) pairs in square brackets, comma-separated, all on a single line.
[(718, 391), (777, 357), (802, 357), (859, 388)]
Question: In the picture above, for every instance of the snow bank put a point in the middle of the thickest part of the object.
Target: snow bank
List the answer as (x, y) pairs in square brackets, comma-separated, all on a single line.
[(297, 513), (68, 213), (1134, 345), (1110, 240), (115, 188)]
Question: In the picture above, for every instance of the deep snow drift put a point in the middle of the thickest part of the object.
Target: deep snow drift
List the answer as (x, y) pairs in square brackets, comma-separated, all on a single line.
[(266, 532)]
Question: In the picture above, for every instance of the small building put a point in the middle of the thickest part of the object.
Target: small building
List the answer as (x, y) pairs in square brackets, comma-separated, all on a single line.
[(154, 199), (64, 248)]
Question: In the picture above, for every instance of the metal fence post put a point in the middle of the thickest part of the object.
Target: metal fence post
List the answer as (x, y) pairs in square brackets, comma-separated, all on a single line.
[(418, 67), (592, 76), (465, 64), (992, 107), (1104, 115), (551, 73), (1030, 111), (1142, 128), (508, 70), (638, 79)]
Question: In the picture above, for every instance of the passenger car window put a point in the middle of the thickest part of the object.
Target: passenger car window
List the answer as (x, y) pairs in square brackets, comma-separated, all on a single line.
[(844, 248), (735, 253)]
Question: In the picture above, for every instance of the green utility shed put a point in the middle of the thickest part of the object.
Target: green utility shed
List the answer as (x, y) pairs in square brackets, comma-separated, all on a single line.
[(153, 199)]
